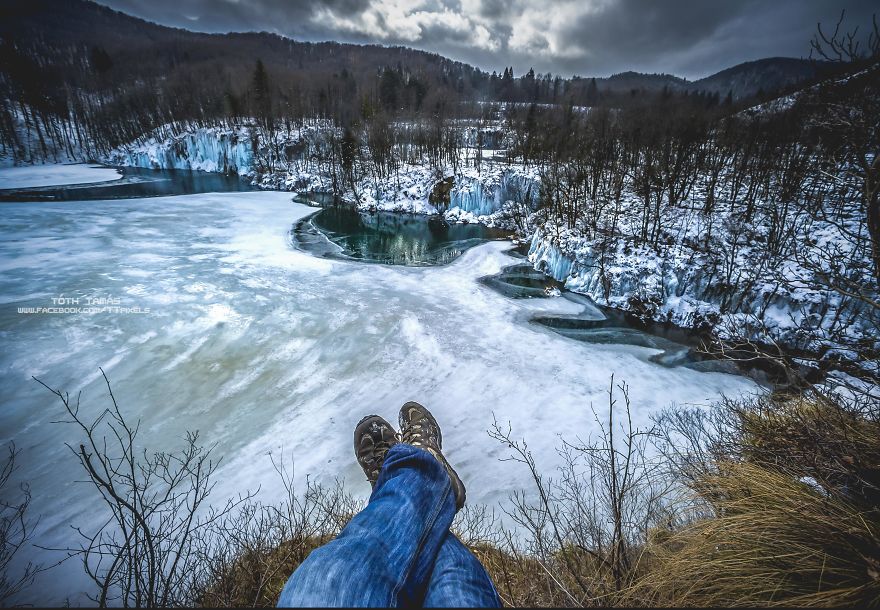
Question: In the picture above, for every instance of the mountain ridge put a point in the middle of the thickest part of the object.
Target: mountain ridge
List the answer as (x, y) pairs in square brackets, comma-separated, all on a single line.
[(84, 22)]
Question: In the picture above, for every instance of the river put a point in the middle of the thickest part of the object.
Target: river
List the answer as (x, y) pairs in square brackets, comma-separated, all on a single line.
[(217, 322)]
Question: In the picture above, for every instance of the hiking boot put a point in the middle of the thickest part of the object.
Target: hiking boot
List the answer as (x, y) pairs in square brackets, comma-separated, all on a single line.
[(419, 429), (373, 437)]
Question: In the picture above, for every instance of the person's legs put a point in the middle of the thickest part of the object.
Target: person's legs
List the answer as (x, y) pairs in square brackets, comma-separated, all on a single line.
[(459, 580), (385, 554), (398, 550)]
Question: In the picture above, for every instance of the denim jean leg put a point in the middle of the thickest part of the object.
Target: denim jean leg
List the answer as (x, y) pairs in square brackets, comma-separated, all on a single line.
[(384, 556), (459, 580)]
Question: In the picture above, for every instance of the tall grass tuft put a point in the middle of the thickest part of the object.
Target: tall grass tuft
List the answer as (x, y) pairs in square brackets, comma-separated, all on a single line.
[(774, 540)]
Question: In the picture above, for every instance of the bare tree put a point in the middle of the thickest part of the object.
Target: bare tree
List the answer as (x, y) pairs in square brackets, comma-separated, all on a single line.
[(589, 527), (845, 47), (847, 120), (142, 554), (16, 530)]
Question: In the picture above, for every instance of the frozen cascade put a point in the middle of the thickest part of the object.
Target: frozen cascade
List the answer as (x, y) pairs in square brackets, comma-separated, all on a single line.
[(664, 289), (229, 149), (208, 149), (486, 194), (549, 259), (652, 280)]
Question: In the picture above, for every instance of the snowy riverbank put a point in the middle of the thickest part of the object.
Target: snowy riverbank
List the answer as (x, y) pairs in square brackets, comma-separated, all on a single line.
[(474, 195), (707, 271)]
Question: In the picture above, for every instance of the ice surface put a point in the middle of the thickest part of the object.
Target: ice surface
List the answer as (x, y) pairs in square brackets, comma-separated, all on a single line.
[(262, 347), (212, 149), (54, 174)]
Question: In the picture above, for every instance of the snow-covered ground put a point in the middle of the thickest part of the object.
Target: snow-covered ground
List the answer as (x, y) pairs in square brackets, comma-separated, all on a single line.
[(262, 347), (54, 174), (475, 196), (715, 271)]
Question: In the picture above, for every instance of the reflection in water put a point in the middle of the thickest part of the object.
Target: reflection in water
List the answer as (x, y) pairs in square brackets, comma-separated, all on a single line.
[(136, 182), (387, 237)]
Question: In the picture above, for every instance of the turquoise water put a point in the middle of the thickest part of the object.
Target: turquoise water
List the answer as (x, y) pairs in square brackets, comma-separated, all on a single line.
[(135, 183), (388, 238), (604, 325)]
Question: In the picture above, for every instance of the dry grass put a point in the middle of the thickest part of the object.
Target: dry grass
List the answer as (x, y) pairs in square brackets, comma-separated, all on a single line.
[(256, 577), (774, 541), (778, 509), (768, 501), (814, 437), (253, 552)]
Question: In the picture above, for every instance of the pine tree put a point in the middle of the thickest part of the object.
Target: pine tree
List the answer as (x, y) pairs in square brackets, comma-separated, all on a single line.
[(592, 93), (262, 100)]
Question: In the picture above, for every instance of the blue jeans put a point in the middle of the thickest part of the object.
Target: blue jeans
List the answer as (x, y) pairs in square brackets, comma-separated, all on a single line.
[(398, 551)]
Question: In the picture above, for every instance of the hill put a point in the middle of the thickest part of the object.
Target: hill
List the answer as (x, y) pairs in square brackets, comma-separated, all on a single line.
[(84, 37), (79, 67), (762, 76)]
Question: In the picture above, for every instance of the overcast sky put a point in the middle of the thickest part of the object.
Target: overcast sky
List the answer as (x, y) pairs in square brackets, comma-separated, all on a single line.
[(586, 37)]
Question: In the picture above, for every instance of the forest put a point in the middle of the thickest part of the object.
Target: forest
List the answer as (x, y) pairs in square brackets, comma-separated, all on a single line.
[(72, 71)]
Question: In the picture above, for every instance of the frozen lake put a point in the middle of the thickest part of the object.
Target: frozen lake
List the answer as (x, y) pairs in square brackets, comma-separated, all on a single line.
[(261, 346), (30, 176)]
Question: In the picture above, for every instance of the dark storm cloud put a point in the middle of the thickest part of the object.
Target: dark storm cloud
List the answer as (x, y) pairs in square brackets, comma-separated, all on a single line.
[(588, 37), (641, 30)]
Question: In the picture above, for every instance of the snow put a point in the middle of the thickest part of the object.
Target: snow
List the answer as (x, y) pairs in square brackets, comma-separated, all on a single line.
[(215, 149), (406, 191), (786, 102), (743, 294), (57, 174), (243, 149), (261, 348)]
